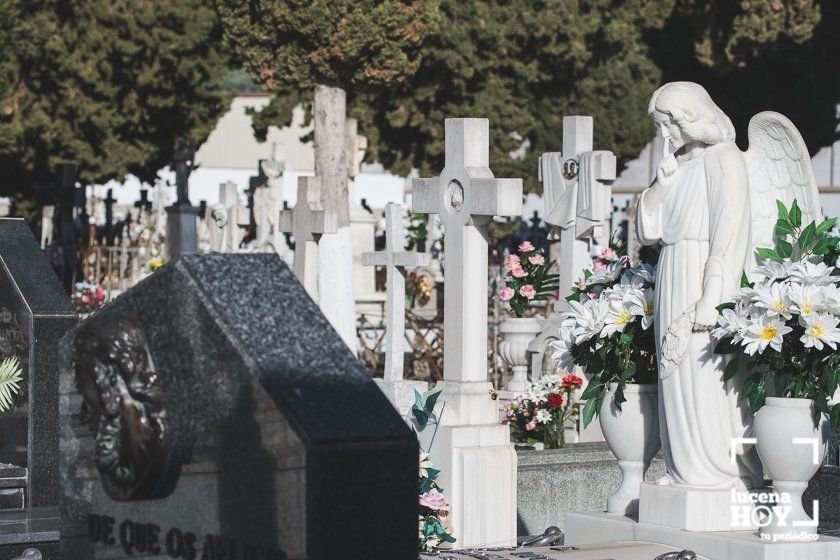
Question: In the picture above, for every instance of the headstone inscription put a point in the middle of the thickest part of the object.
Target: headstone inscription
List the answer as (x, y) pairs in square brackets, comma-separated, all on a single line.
[(35, 312), (225, 418), (472, 448), (395, 260)]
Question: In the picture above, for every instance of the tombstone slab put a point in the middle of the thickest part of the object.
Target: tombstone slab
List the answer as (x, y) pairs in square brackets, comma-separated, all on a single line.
[(35, 313), (265, 433)]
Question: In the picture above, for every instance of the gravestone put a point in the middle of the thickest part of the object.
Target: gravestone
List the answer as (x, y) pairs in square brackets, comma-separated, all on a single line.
[(248, 429), (35, 313)]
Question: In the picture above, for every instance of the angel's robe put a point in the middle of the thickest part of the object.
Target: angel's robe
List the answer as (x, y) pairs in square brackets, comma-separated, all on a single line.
[(703, 224)]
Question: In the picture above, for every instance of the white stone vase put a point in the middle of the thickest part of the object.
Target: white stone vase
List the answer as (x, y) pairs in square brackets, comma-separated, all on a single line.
[(792, 450), (632, 434), (517, 333)]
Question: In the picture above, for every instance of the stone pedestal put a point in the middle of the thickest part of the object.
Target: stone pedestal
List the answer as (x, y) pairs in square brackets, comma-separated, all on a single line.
[(181, 230), (693, 509), (478, 466), (401, 393), (596, 528)]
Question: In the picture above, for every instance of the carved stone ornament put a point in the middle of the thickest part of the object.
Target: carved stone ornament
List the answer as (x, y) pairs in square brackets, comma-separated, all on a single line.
[(123, 406)]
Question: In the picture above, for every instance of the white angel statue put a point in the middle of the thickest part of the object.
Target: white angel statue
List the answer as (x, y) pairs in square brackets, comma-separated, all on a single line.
[(710, 206)]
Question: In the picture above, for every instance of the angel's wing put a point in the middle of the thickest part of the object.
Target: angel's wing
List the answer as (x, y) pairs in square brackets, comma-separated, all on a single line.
[(779, 168)]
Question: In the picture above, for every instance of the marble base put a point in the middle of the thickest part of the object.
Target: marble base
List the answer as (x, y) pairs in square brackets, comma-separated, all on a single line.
[(691, 509), (472, 449), (594, 528), (401, 393)]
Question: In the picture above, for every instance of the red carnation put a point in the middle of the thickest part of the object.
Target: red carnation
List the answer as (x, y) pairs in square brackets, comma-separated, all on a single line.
[(555, 400), (572, 381)]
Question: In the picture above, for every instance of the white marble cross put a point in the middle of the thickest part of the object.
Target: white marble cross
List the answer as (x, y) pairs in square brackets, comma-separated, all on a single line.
[(396, 261), (466, 196), (235, 218), (307, 222)]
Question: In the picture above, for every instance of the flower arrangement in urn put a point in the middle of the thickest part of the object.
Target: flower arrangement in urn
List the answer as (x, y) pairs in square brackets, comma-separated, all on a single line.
[(780, 336), (539, 415), (608, 330), (88, 297), (527, 278)]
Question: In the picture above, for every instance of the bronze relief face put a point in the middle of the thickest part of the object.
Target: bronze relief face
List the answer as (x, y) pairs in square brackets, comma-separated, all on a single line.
[(123, 405)]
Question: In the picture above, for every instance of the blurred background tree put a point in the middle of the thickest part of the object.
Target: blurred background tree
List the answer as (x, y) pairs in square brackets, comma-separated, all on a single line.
[(110, 84)]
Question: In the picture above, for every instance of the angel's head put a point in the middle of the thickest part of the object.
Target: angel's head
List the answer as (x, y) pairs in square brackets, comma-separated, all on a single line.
[(685, 112)]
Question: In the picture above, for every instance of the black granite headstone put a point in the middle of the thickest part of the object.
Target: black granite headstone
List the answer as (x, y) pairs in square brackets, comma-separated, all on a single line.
[(825, 488), (231, 422), (35, 313)]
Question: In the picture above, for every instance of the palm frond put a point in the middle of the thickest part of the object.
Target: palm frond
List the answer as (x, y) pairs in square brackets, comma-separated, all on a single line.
[(11, 376)]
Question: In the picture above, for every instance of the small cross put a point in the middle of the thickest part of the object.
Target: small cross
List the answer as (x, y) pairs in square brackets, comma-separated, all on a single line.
[(307, 222), (396, 261), (466, 196), (238, 216)]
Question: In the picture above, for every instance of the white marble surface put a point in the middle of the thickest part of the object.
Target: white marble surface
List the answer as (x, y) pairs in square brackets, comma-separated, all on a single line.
[(690, 509), (596, 528)]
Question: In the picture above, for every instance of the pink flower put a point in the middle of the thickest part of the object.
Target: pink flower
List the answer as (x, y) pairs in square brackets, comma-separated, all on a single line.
[(85, 299), (518, 272), (599, 265), (537, 260), (511, 262), (527, 291), (607, 254), (526, 247), (505, 294), (434, 500), (531, 425)]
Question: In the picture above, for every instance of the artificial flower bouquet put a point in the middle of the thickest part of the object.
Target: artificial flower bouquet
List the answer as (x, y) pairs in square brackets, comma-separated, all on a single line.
[(540, 414), (608, 330), (782, 329), (527, 278), (88, 297)]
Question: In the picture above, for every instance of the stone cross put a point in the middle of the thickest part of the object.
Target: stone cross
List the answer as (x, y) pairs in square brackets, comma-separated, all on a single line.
[(395, 261), (466, 196), (472, 448), (307, 222), (577, 187)]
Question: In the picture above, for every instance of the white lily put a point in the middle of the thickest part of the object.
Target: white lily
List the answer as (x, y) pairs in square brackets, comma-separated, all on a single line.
[(618, 316), (773, 298), (763, 332), (821, 329), (806, 272), (641, 305), (563, 348), (732, 322), (806, 300)]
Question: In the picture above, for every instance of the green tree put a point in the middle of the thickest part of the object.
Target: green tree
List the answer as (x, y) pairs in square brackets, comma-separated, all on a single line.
[(110, 84)]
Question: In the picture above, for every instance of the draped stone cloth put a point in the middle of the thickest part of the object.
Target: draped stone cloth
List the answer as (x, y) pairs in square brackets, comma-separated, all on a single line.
[(703, 224)]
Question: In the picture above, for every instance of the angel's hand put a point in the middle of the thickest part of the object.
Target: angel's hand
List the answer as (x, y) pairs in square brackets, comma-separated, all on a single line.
[(666, 170), (705, 316)]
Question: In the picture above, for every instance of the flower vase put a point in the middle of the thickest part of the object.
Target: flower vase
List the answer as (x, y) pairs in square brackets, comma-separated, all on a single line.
[(792, 450), (554, 436), (517, 333), (632, 435)]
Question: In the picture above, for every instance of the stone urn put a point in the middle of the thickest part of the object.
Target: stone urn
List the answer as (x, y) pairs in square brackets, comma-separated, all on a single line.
[(517, 333), (632, 434), (792, 450)]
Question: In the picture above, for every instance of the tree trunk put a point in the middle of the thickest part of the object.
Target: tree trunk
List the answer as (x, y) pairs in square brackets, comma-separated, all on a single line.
[(335, 254)]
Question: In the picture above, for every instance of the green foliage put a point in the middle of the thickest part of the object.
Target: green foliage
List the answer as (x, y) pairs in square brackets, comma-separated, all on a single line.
[(10, 378), (423, 413), (295, 45), (110, 84)]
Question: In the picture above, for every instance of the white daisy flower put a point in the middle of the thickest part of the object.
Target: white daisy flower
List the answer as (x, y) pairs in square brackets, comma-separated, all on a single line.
[(606, 275), (543, 416), (830, 299), (773, 298), (806, 272), (821, 329), (586, 319), (763, 332), (563, 348)]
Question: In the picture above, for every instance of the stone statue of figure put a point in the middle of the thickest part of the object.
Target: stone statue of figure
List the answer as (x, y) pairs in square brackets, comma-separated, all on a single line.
[(182, 161), (710, 206)]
